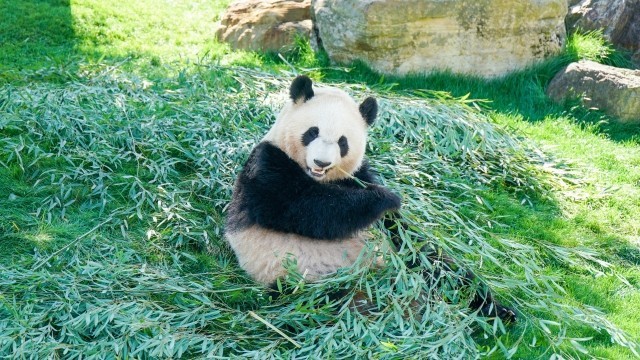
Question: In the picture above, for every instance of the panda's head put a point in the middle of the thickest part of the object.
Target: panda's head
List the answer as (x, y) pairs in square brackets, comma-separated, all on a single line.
[(324, 130)]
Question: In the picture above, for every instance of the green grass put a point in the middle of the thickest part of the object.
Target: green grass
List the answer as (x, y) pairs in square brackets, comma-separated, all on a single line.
[(35, 34), (144, 37), (602, 214), (122, 127)]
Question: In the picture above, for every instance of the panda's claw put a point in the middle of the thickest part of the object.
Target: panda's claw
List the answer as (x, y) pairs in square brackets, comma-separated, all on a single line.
[(495, 309)]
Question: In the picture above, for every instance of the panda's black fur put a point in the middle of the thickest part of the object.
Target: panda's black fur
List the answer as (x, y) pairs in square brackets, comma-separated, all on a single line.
[(301, 89), (273, 192), (275, 198)]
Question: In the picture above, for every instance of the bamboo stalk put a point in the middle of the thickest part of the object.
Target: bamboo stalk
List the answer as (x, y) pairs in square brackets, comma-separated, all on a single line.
[(255, 316)]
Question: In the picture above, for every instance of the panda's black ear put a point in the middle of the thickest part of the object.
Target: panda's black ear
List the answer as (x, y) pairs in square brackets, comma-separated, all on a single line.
[(369, 110), (301, 89)]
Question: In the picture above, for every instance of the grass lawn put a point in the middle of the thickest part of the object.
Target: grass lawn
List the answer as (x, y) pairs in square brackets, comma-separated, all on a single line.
[(123, 124)]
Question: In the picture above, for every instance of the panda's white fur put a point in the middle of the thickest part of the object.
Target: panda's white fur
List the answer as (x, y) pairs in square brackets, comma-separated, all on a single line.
[(262, 252), (336, 114)]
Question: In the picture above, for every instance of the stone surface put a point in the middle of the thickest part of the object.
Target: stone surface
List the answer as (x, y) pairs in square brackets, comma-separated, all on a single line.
[(613, 90), (484, 37), (265, 25), (619, 20)]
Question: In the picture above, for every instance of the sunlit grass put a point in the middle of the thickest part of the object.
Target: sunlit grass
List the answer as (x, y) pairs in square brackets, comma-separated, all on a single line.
[(107, 29), (143, 36)]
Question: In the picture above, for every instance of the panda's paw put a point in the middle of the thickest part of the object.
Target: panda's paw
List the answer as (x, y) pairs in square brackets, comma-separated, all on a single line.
[(394, 201), (388, 200), (495, 309), (507, 315)]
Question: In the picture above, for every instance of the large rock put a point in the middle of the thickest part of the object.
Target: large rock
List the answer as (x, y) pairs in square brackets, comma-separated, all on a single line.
[(613, 90), (484, 37), (619, 20), (265, 25)]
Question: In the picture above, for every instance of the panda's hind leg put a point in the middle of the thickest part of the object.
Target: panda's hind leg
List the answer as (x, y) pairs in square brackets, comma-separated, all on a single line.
[(482, 299), (441, 264)]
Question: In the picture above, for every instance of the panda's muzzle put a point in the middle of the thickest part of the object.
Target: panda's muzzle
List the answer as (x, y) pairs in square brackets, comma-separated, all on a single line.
[(322, 164), (321, 170), (317, 172)]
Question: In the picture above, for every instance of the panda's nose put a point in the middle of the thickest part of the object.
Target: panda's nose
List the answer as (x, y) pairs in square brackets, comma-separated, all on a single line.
[(322, 164)]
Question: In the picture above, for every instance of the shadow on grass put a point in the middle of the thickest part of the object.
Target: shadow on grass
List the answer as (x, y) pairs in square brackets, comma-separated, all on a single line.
[(543, 221), (35, 35)]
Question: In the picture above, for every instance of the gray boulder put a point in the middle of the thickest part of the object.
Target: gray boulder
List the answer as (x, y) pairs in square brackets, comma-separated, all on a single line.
[(483, 37), (613, 90), (619, 20)]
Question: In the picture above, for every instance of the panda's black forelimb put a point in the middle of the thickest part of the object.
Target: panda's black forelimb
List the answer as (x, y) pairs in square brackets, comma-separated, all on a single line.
[(482, 299), (275, 193)]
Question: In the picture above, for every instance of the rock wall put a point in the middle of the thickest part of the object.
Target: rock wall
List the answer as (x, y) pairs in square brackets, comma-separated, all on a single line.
[(483, 37)]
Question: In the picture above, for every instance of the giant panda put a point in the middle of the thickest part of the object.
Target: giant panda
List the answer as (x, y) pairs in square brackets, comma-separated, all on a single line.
[(300, 194)]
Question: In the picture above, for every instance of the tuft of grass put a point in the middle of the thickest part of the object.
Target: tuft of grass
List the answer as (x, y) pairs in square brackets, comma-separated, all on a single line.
[(593, 46)]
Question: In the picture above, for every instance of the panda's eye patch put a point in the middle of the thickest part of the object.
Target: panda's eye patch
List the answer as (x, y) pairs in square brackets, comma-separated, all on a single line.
[(310, 135), (344, 146)]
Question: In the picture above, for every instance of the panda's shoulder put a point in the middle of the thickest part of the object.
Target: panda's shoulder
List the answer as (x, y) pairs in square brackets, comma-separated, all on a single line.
[(366, 173), (267, 154), (266, 159)]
